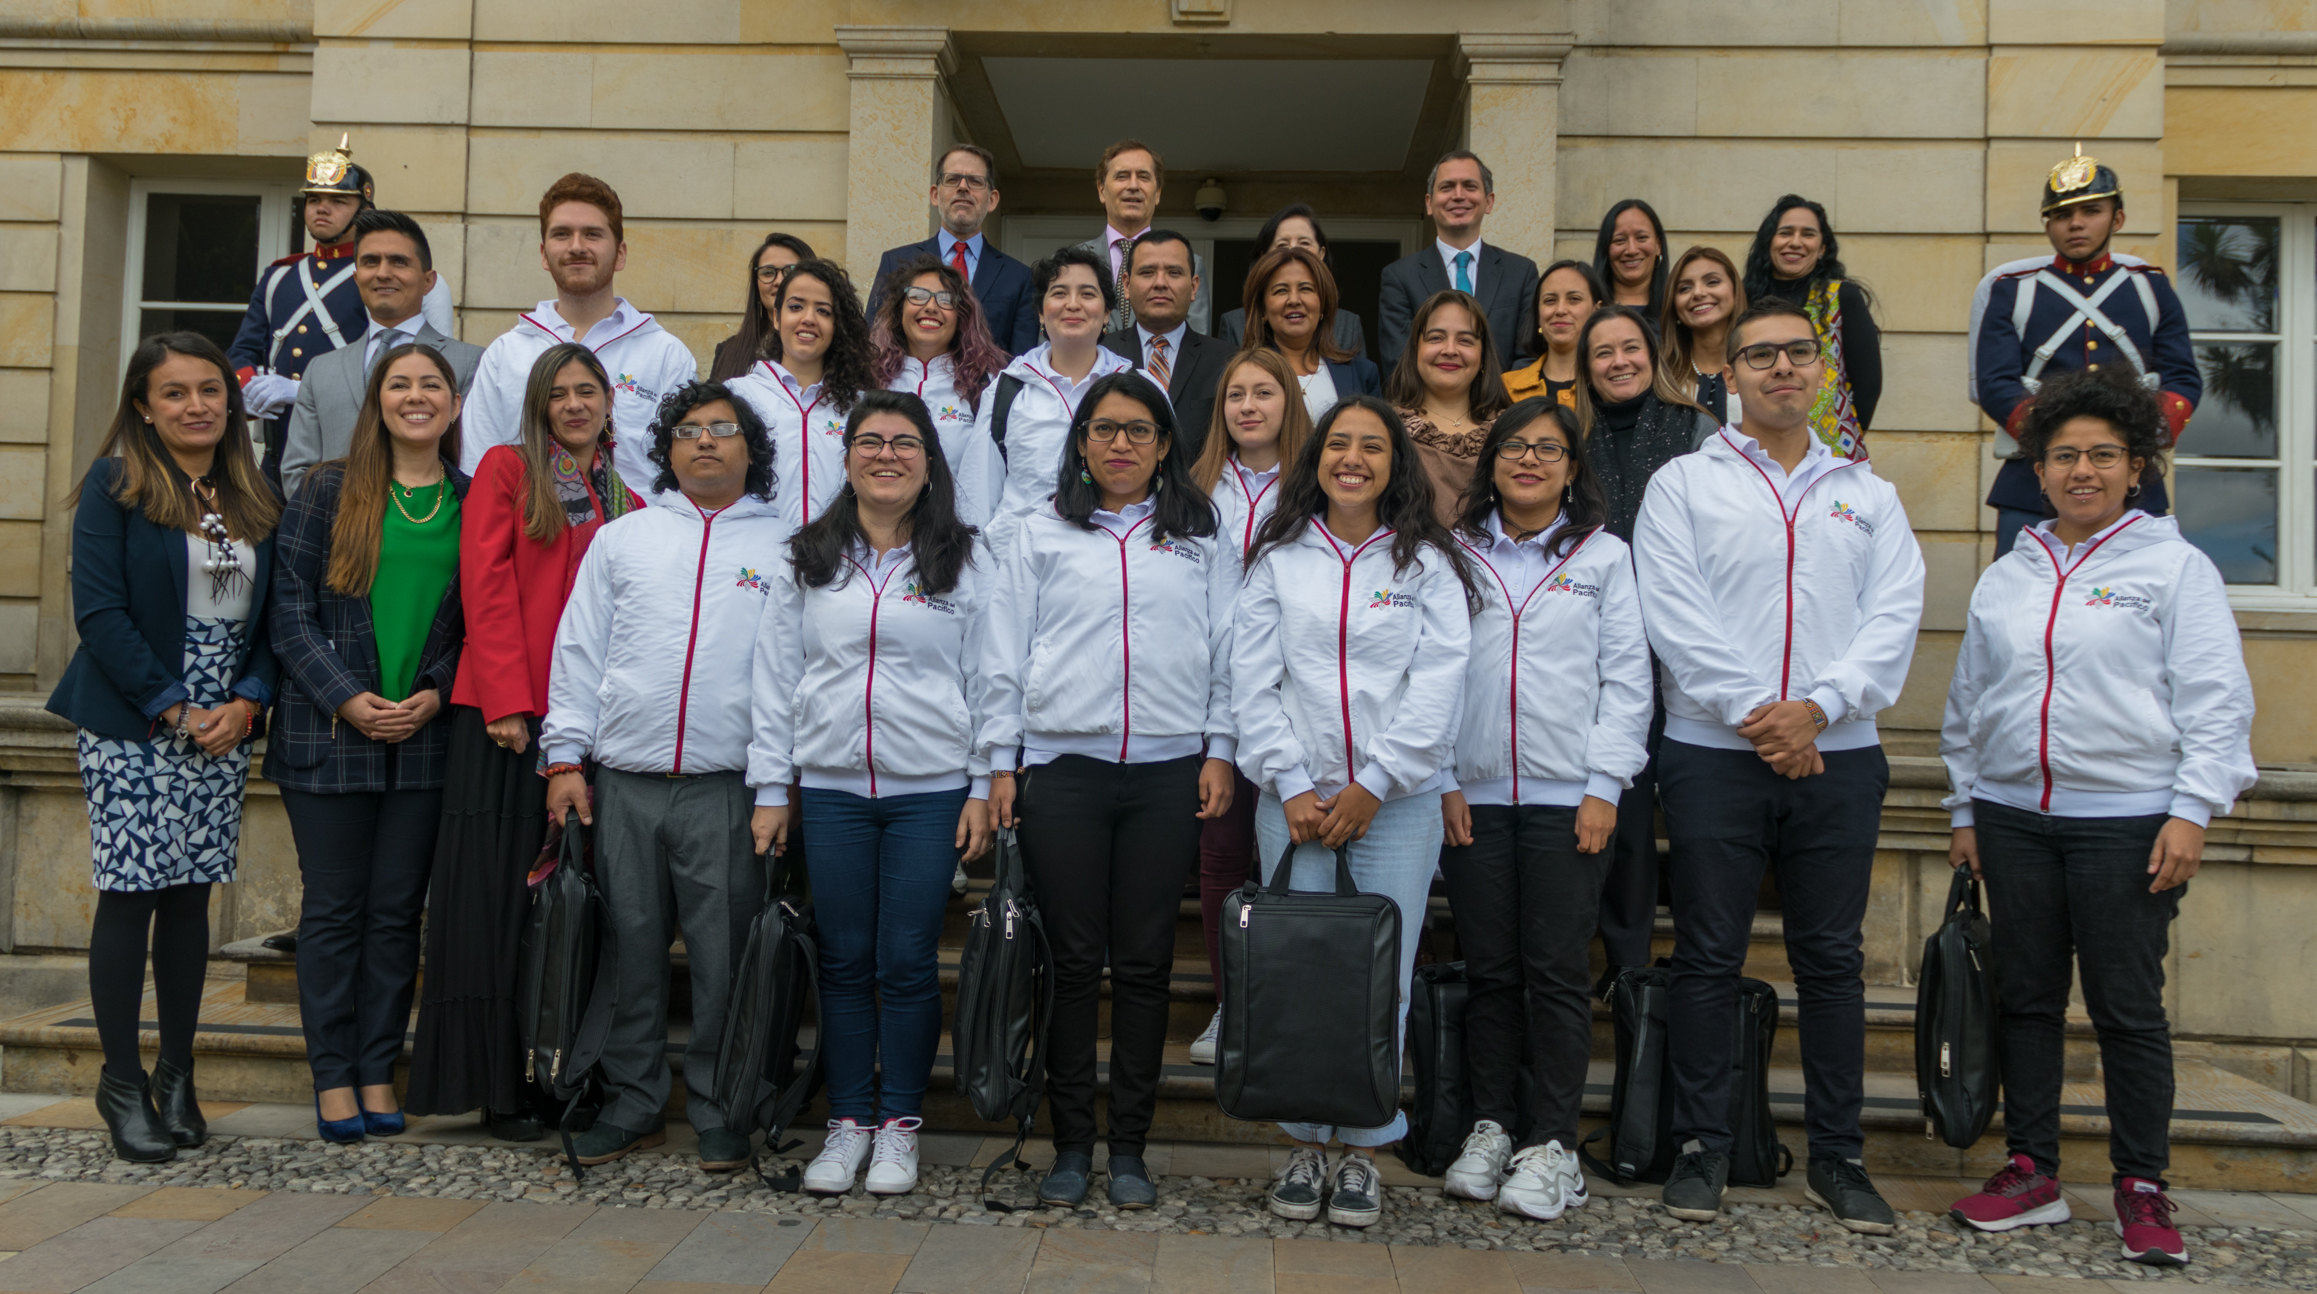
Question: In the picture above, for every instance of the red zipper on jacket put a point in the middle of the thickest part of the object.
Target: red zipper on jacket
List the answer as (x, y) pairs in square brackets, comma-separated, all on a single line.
[(1517, 613), (2043, 741), (699, 582), (869, 690), (1343, 626), (1239, 476), (1786, 657), (1125, 639), (804, 444)]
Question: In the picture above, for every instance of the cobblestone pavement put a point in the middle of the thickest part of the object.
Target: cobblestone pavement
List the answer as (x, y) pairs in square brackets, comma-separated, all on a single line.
[(2251, 1240)]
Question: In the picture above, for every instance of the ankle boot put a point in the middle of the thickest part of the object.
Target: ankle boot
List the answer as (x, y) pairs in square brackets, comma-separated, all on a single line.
[(173, 1100), (129, 1115)]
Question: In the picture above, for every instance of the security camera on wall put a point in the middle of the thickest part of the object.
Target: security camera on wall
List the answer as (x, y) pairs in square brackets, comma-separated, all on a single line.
[(1211, 200)]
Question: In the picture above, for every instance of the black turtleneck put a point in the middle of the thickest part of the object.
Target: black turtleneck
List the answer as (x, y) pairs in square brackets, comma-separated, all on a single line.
[(1631, 439)]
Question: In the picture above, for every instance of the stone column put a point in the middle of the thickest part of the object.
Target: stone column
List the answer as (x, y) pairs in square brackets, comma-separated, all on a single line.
[(1512, 119), (895, 75)]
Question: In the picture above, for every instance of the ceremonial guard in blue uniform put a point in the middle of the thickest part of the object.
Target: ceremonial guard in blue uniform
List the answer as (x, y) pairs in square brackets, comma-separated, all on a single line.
[(306, 304), (2079, 309)]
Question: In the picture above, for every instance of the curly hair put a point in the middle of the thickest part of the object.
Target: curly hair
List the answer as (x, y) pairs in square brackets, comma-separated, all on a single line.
[(848, 363), (2112, 396), (974, 358), (684, 399)]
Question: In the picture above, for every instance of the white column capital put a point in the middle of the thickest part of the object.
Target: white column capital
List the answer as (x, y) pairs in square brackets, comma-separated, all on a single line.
[(897, 53), (1513, 57)]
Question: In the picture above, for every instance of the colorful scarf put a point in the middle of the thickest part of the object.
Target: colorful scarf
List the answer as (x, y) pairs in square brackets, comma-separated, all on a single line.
[(572, 487), (1832, 416)]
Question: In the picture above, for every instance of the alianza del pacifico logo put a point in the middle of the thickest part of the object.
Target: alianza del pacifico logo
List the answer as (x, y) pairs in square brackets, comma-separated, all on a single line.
[(834, 426), (1563, 584), (2109, 597), (627, 382), (1390, 598), (1178, 548), (1844, 512), (751, 578), (914, 591), (950, 413)]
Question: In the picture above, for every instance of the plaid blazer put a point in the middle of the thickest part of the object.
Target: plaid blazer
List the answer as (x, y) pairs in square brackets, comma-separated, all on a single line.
[(328, 650)]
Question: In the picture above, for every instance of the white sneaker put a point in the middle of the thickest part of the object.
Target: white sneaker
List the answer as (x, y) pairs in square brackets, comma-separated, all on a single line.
[(957, 879), (1203, 1051), (893, 1169), (831, 1172), (1480, 1165), (1544, 1182)]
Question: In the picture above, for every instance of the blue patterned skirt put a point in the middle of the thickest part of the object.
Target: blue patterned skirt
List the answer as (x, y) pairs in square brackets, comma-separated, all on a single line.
[(161, 812)]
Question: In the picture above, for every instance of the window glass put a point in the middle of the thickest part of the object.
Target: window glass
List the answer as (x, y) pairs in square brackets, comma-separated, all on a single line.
[(2227, 275), (201, 247), (2230, 513), (2237, 418)]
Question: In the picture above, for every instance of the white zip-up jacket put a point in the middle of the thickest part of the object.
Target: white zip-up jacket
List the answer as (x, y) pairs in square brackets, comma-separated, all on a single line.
[(644, 360), (1556, 698), (1346, 669), (2103, 681), (870, 684), (1245, 500), (1019, 480), (953, 414), (652, 659), (1105, 643), (808, 439), (1757, 587)]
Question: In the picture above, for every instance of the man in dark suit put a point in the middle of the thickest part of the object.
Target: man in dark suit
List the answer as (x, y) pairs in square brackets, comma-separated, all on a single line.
[(964, 193), (1160, 285), (1459, 195)]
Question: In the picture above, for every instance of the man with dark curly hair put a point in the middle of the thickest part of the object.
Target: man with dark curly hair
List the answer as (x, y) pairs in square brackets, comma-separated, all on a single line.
[(650, 690)]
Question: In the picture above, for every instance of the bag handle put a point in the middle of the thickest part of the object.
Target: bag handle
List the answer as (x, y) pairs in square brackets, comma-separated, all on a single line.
[(1963, 893), (1281, 874)]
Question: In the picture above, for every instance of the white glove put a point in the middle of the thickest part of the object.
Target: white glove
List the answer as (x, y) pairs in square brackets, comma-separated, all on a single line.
[(267, 394)]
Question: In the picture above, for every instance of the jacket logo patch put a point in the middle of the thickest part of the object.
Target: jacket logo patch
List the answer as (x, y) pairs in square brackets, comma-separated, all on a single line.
[(1390, 598), (915, 592), (2108, 597), (950, 413), (1563, 584), (835, 426), (1844, 512), (1177, 548), (627, 382), (750, 579)]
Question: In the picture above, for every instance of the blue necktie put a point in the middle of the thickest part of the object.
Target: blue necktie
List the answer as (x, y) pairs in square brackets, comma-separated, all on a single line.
[(1464, 271)]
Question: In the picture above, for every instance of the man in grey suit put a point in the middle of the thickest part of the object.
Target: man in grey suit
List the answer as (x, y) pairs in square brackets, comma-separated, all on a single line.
[(393, 270), (1458, 196), (1128, 183)]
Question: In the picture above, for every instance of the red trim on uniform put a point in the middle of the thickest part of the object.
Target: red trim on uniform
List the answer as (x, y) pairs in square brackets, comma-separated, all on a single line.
[(1125, 637), (2097, 265), (804, 446), (2043, 743), (869, 690), (1239, 477), (699, 581), (2177, 412), (1786, 658), (244, 374), (1343, 624), (1517, 613)]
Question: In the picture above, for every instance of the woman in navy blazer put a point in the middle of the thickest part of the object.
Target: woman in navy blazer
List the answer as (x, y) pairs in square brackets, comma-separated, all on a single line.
[(367, 620), (1291, 308), (172, 551)]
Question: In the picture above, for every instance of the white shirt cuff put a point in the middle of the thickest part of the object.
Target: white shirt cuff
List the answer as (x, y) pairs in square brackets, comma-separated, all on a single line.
[(978, 789), (564, 754), (1601, 786), (774, 796), (1830, 701), (1292, 783), (2188, 808), (1225, 748), (1963, 815), (1374, 780)]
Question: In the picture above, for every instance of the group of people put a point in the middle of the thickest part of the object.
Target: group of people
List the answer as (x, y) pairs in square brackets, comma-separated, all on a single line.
[(1025, 548)]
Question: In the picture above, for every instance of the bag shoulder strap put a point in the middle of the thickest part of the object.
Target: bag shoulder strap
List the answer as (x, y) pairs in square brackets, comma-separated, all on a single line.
[(1009, 386)]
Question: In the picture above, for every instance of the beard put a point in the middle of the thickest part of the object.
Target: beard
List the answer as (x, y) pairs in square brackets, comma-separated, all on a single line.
[(581, 280)]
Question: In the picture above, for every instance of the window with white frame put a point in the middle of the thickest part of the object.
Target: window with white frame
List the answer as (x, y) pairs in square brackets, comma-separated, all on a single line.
[(195, 250), (2245, 471)]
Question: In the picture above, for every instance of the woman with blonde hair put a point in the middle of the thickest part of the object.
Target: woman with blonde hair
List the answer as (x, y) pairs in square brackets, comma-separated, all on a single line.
[(1704, 295)]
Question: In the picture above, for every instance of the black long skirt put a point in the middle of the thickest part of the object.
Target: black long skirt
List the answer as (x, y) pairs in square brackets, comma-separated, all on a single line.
[(494, 815)]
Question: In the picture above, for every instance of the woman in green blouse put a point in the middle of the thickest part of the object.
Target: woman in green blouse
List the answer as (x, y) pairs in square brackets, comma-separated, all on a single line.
[(367, 625)]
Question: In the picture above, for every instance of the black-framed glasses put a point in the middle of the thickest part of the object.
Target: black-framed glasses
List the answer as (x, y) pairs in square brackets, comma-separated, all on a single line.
[(692, 430), (1104, 431), (2102, 456), (771, 273), (970, 183), (905, 448), (1547, 451), (942, 297), (1763, 354)]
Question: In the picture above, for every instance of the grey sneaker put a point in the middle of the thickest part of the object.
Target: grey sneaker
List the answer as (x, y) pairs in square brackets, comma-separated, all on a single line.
[(1843, 1189), (1694, 1192), (1296, 1195), (1479, 1167), (1355, 1195)]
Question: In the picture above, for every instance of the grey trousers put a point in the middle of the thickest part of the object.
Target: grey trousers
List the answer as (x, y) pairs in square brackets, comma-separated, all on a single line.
[(671, 853)]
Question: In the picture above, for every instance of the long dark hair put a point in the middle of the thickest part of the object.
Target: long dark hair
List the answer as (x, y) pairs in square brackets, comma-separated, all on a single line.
[(847, 365), (747, 345), (1406, 507), (1267, 267), (1761, 280), (939, 544), (358, 529), (1586, 508), (1601, 253), (1661, 384), (1680, 339), (973, 357), (1486, 397), (150, 479), (543, 517), (1533, 340), (1180, 507), (684, 399), (1294, 211)]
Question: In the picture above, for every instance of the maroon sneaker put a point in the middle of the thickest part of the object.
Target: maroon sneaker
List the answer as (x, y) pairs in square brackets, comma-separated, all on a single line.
[(2144, 1220), (2018, 1196)]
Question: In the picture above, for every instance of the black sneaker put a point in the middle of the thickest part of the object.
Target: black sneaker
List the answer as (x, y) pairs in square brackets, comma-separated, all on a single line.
[(722, 1150), (1355, 1196), (1694, 1192), (1842, 1188), (603, 1143), (1296, 1195)]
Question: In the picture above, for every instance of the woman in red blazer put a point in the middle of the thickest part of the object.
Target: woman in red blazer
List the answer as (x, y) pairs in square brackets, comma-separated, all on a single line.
[(530, 514)]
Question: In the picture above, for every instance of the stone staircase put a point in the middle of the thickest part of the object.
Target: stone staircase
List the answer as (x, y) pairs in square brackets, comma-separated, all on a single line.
[(2229, 1132)]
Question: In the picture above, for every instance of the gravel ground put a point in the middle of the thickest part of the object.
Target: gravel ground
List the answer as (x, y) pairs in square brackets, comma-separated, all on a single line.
[(1631, 1228)]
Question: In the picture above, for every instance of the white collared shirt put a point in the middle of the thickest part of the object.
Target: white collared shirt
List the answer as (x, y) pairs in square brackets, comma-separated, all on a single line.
[(808, 438), (1174, 342), (992, 484), (948, 241), (1244, 500), (1448, 257), (385, 337), (1817, 461)]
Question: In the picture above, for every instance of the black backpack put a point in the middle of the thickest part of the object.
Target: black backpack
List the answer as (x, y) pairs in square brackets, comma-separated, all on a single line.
[(760, 1084), (1442, 1113), (565, 986), (1009, 386), (1640, 1128), (1005, 1005), (1956, 1068)]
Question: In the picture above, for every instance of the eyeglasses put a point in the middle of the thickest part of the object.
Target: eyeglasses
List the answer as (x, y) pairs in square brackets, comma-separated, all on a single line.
[(1136, 433), (1547, 451), (905, 448), (944, 298), (2067, 456), (771, 273), (692, 430), (970, 183), (1764, 354)]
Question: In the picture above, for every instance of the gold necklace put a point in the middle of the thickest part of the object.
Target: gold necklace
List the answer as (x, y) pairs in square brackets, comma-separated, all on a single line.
[(441, 490)]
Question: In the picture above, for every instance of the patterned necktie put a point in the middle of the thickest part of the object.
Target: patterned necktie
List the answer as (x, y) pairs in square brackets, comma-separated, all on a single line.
[(957, 260), (1464, 271), (1121, 317), (1158, 367)]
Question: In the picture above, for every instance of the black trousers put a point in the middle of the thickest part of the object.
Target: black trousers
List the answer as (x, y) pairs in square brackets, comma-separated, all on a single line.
[(1524, 900), (1629, 893), (364, 858), (2064, 893), (1729, 819), (1108, 848)]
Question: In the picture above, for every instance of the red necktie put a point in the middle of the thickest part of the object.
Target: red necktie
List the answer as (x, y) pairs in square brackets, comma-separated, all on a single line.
[(1158, 366), (957, 261)]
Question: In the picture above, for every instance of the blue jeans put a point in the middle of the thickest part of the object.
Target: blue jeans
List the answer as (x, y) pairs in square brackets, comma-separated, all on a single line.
[(880, 871), (1395, 859)]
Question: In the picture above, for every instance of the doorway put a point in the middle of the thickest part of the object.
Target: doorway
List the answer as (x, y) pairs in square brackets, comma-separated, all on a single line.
[(1358, 265)]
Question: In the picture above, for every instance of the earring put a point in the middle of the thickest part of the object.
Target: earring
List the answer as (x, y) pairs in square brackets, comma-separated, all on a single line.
[(2133, 492), (1085, 477), (1157, 483), (1565, 500)]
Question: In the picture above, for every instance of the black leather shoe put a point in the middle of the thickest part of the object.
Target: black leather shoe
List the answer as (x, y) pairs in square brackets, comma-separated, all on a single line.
[(173, 1101), (603, 1143), (512, 1127), (1130, 1184), (1065, 1182), (723, 1150), (136, 1127)]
